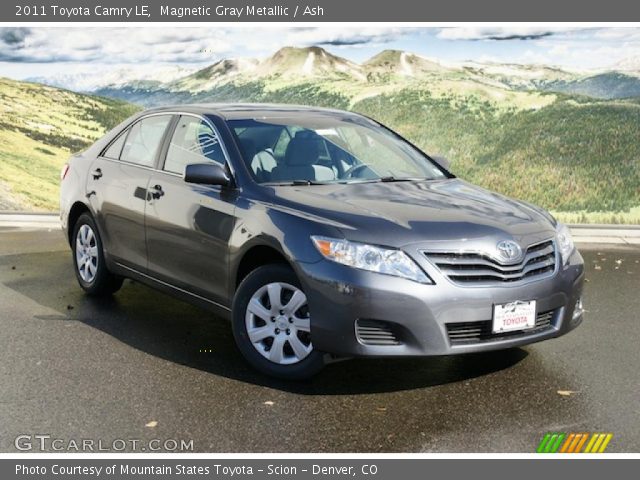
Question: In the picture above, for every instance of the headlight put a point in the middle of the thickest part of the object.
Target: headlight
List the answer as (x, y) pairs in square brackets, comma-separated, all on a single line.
[(370, 258), (565, 242)]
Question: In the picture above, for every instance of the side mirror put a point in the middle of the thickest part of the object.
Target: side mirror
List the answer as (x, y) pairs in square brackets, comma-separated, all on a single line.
[(442, 161), (206, 174)]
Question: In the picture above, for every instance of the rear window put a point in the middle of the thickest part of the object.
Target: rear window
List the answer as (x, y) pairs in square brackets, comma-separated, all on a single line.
[(115, 148), (144, 139)]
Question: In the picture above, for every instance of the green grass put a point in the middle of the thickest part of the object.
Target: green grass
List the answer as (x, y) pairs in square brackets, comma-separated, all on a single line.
[(576, 156), (567, 156), (632, 217), (40, 127), (573, 155)]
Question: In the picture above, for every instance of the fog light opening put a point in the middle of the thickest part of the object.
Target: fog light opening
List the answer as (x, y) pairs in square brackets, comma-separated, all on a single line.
[(578, 310)]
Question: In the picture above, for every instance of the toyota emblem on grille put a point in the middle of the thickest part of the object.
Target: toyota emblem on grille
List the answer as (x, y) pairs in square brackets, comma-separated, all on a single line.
[(509, 250)]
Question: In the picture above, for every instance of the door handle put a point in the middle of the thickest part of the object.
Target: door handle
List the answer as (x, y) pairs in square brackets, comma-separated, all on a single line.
[(97, 173), (156, 192)]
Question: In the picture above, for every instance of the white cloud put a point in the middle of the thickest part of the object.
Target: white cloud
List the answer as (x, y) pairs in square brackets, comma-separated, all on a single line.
[(347, 37), (112, 45), (178, 44), (532, 57), (622, 33), (55, 48)]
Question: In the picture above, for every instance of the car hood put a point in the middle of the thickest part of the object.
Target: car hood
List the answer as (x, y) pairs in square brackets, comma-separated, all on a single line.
[(402, 213)]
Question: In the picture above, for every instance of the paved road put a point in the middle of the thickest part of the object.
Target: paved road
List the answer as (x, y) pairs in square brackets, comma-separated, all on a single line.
[(75, 368)]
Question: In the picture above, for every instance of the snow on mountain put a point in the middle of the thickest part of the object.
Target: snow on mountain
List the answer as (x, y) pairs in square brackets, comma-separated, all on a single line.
[(630, 64), (289, 63), (220, 72), (388, 70), (92, 81), (308, 62), (526, 72), (397, 62)]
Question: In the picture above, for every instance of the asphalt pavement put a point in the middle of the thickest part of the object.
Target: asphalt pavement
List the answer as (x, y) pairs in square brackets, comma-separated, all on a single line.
[(145, 366)]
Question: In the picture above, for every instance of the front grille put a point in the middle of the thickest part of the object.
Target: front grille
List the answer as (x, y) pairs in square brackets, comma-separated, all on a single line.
[(375, 332), (465, 333), (475, 268)]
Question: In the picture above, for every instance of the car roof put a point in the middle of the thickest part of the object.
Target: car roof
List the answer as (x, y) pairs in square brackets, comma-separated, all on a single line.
[(243, 111)]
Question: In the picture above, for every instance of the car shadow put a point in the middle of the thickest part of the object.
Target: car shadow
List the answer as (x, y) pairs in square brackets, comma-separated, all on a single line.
[(173, 330)]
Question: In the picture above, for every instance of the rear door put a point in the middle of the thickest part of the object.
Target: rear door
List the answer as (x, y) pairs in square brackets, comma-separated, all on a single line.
[(188, 226), (117, 189)]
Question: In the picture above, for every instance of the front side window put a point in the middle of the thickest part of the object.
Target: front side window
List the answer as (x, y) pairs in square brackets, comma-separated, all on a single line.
[(193, 141), (144, 140), (329, 149)]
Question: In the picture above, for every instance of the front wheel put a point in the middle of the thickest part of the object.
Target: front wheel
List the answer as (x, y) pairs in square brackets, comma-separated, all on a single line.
[(272, 324)]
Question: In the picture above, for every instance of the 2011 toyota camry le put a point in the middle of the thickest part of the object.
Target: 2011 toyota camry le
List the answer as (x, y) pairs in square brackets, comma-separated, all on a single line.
[(318, 233)]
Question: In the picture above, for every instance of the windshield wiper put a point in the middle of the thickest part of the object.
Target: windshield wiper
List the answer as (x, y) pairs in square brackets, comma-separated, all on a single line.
[(400, 179), (296, 183), (306, 182), (388, 179)]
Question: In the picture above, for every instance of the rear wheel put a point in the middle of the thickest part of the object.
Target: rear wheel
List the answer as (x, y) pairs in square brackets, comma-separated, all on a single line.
[(272, 324), (88, 259)]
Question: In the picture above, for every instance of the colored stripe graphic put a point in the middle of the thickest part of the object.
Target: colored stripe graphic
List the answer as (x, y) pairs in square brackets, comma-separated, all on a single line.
[(567, 445), (581, 442), (605, 442), (574, 444), (593, 439), (559, 440), (551, 442), (596, 446), (598, 443), (543, 443), (555, 442)]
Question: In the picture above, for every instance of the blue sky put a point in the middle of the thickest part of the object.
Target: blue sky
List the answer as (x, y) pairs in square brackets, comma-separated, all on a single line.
[(49, 51)]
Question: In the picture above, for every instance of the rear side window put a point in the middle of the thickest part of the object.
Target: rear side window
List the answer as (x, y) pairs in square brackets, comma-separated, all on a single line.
[(144, 139), (193, 141), (116, 147)]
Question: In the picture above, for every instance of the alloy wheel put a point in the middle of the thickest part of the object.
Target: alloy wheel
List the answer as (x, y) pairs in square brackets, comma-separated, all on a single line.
[(278, 324), (86, 253)]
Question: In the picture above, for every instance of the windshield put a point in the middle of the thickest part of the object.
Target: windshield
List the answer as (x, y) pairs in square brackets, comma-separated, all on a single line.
[(322, 148)]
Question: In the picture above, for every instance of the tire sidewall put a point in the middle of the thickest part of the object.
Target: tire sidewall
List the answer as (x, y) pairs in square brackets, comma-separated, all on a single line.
[(103, 282), (306, 368)]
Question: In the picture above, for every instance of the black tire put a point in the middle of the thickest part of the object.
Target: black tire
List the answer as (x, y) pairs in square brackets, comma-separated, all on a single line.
[(303, 369), (103, 283)]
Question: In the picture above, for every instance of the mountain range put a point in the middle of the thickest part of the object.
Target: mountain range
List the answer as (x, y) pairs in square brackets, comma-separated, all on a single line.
[(114, 77), (156, 85), (563, 139)]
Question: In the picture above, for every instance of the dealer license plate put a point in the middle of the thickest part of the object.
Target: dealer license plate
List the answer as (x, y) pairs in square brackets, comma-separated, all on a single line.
[(514, 316)]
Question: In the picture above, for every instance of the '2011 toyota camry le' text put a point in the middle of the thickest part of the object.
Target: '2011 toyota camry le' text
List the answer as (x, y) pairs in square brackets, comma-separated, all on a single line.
[(318, 233)]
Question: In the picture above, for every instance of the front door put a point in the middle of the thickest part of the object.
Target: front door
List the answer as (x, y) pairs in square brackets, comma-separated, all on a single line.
[(188, 226)]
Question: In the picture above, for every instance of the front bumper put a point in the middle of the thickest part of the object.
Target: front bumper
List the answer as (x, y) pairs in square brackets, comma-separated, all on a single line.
[(419, 314)]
